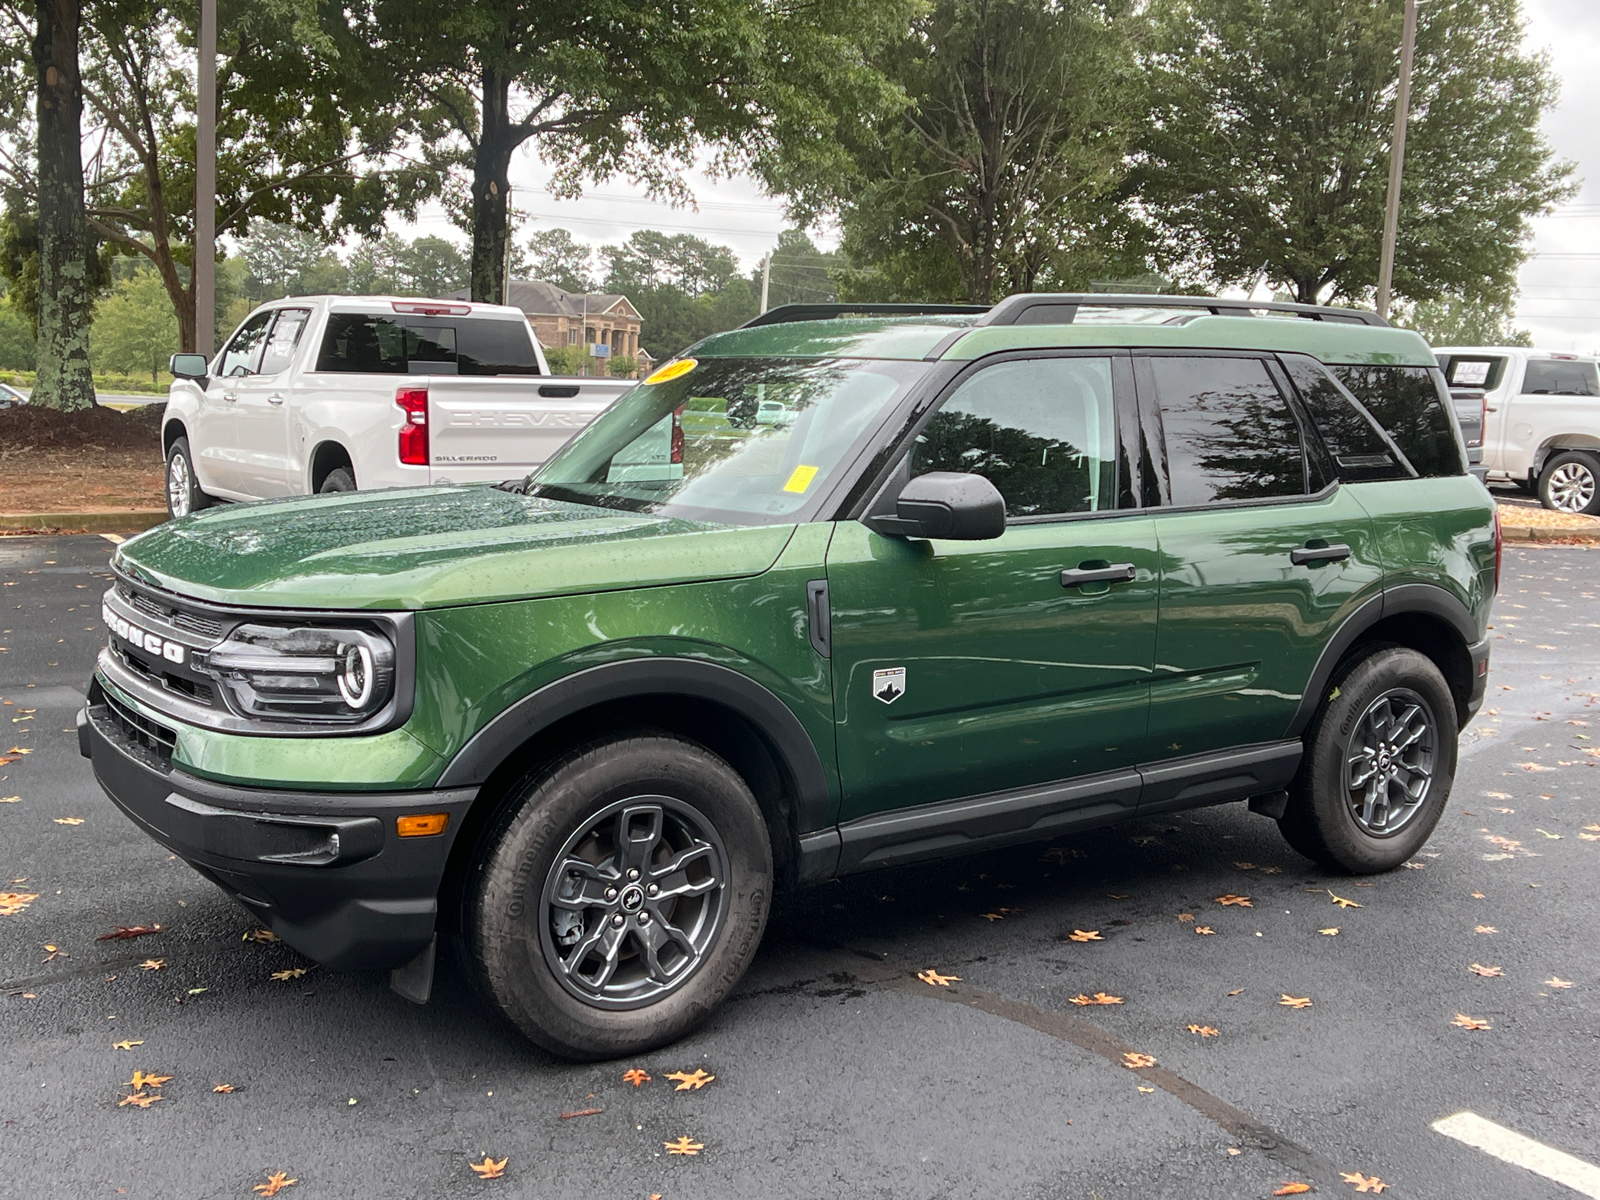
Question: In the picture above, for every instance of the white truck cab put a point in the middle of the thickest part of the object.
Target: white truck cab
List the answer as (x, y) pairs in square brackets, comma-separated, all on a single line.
[(331, 393), (1541, 419)]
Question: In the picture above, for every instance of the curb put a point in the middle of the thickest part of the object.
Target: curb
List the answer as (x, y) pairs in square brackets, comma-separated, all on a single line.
[(1531, 533), (125, 521)]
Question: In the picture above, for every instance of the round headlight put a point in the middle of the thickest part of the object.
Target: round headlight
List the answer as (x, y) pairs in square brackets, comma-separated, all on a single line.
[(355, 679)]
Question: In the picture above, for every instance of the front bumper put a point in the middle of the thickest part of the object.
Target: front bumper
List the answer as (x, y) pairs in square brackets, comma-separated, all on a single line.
[(325, 870)]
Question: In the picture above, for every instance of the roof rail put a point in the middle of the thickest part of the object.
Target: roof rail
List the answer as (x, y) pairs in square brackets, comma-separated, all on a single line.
[(1045, 308), (827, 312)]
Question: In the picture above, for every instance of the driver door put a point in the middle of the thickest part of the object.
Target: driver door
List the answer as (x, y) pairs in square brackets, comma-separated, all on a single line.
[(962, 668), (215, 443)]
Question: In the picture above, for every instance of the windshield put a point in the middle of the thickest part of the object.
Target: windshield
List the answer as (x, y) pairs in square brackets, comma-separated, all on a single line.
[(743, 441)]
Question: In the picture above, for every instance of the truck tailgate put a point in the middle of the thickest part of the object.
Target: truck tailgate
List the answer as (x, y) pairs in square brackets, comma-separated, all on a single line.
[(491, 429)]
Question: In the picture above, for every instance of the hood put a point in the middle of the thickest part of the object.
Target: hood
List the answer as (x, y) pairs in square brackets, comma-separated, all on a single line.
[(433, 547)]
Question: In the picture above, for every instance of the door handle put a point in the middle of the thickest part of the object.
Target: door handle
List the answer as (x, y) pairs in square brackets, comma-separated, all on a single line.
[(1115, 573), (274, 399), (230, 397), (1303, 555)]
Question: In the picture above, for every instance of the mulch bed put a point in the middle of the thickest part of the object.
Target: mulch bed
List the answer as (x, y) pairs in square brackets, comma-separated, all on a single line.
[(29, 427), (93, 460)]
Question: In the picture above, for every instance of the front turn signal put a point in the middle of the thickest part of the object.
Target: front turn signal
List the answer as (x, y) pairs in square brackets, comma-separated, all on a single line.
[(422, 825)]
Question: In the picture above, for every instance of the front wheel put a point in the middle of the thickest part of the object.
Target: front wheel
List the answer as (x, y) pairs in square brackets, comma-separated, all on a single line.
[(1380, 759), (621, 896), (1570, 483), (183, 485)]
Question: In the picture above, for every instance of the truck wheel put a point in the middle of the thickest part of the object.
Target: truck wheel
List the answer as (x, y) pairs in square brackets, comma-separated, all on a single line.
[(620, 896), (1570, 483), (1380, 759), (183, 485), (339, 479)]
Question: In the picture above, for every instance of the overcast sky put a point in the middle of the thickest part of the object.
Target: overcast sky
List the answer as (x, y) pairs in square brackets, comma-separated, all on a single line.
[(1560, 301)]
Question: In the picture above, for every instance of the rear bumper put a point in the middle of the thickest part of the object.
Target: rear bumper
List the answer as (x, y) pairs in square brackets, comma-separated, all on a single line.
[(326, 871), (1479, 654)]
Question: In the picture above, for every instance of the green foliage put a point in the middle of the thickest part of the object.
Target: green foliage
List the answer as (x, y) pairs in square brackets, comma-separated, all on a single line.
[(19, 262), (800, 272), (376, 266), (135, 329), (1465, 321), (285, 261), (18, 352), (432, 266), (650, 260), (1267, 147), (622, 366), (566, 360), (1002, 174), (555, 256)]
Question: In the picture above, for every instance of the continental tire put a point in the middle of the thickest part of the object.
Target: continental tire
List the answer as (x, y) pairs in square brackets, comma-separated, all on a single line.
[(620, 897), (1380, 760)]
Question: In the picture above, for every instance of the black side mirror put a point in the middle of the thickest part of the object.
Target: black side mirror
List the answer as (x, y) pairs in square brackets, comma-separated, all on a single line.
[(188, 366), (946, 504)]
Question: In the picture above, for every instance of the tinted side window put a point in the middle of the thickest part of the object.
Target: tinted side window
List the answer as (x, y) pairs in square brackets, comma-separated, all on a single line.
[(244, 350), (1557, 377), (1413, 408), (362, 344), (1230, 434), (1043, 431), (1358, 451), (285, 336), (496, 348)]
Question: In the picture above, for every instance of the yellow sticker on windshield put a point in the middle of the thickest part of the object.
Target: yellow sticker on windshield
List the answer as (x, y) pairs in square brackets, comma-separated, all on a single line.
[(673, 370), (800, 480)]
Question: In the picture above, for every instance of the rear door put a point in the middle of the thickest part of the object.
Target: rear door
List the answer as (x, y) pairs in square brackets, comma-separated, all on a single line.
[(1260, 560)]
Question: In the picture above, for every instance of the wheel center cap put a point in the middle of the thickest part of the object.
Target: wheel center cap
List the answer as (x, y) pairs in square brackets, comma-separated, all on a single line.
[(632, 899)]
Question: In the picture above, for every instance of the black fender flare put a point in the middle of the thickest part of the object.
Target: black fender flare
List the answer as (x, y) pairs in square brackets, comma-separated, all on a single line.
[(633, 678), (1422, 598)]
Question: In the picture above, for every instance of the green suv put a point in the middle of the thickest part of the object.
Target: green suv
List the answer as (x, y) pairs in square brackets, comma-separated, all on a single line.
[(841, 589)]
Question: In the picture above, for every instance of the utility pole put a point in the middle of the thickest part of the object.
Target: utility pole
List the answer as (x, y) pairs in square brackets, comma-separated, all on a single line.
[(766, 278), (505, 285), (205, 186), (1397, 158)]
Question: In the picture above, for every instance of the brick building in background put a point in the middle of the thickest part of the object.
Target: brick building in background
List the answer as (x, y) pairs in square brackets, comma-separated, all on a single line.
[(563, 318)]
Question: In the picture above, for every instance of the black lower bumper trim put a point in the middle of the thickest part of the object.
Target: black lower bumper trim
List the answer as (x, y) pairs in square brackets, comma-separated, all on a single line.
[(326, 871)]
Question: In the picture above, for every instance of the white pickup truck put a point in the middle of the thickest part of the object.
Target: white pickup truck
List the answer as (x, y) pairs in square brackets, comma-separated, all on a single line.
[(332, 393), (1541, 419)]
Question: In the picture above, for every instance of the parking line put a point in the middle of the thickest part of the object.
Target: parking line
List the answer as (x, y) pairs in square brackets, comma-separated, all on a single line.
[(1509, 1146), (116, 539)]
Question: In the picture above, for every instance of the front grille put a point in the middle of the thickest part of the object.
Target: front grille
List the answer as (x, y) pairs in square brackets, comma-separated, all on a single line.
[(154, 670), (181, 618), (154, 738)]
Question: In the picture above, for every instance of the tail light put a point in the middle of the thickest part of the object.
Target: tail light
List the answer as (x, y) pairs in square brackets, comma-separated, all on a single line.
[(677, 435), (1499, 546), (414, 433)]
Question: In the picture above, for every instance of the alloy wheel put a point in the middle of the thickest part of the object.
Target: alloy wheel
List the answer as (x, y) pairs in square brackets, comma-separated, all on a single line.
[(1571, 487), (1389, 763), (634, 902), (178, 485)]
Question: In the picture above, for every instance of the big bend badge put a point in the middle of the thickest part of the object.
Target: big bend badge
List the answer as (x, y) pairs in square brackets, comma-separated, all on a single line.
[(889, 684)]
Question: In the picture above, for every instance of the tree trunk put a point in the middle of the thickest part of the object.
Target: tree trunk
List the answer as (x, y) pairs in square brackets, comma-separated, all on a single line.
[(64, 380), (491, 189)]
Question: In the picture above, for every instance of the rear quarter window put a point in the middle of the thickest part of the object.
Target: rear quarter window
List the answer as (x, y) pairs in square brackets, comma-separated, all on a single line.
[(1560, 377), (1412, 405)]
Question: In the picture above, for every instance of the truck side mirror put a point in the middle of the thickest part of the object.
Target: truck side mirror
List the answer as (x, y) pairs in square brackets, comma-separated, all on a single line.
[(946, 504), (188, 366)]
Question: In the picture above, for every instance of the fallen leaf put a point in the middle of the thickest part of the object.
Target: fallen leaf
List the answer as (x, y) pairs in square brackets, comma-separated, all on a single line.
[(1486, 972), (1009, 912), (1205, 1031), (290, 973), (1365, 1183), (489, 1168), (128, 931), (1288, 1001), (684, 1146), (1503, 811), (10, 799), (1415, 866), (275, 1183), (139, 1100), (1112, 896), (933, 979), (1080, 935), (1271, 870), (11, 903), (1557, 982), (69, 820), (1530, 766), (18, 750), (1293, 1189), (1186, 916), (994, 916), (1554, 837), (1237, 992), (1477, 895), (687, 1082), (1330, 931), (126, 1045), (636, 1077), (1238, 901), (261, 935), (1343, 903), (1204, 929), (1485, 929), (1133, 1060), (1146, 1090), (153, 964), (140, 1081), (1498, 795), (223, 1088), (582, 1112), (1245, 866), (1098, 998), (1589, 837), (1463, 1021)]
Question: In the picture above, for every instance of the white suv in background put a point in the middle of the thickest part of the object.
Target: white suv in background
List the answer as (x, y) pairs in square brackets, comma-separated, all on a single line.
[(1541, 419), (332, 393)]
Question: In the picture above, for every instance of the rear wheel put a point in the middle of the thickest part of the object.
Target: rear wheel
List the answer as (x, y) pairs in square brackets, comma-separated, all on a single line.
[(340, 479), (620, 897), (1570, 483), (1380, 760), (183, 485)]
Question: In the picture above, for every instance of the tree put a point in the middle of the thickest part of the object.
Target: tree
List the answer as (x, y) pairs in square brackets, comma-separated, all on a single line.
[(18, 352), (376, 266), (555, 256), (622, 366), (432, 266), (608, 86), (650, 259), (566, 360), (800, 272), (64, 379), (281, 257), (1267, 150), (135, 328), (1004, 170), (1466, 321)]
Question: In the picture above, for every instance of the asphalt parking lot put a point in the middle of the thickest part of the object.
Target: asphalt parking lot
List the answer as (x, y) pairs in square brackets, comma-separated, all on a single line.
[(837, 1071)]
